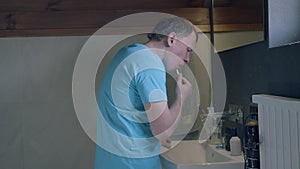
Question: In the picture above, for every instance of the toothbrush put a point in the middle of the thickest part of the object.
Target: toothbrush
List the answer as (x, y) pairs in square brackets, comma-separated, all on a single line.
[(177, 71)]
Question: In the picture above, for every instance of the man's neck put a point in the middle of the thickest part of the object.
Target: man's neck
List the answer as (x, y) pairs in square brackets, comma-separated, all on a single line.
[(157, 48)]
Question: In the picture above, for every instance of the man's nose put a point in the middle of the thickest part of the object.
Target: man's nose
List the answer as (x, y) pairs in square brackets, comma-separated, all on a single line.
[(186, 59)]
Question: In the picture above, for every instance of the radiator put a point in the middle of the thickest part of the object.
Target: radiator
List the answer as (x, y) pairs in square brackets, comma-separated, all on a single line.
[(279, 131)]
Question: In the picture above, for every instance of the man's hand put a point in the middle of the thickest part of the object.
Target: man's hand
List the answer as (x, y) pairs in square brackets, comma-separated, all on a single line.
[(184, 87), (166, 143)]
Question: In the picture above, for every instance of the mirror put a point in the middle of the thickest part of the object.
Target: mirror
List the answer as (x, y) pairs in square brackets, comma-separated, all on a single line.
[(283, 26), (237, 23)]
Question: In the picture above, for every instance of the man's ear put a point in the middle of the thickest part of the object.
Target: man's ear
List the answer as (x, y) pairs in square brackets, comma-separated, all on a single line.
[(171, 39)]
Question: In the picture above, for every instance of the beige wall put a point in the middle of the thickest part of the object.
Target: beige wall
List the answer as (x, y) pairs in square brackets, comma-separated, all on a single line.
[(229, 40)]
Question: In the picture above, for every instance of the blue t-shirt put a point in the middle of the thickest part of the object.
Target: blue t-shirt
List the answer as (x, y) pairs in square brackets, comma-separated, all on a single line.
[(134, 77)]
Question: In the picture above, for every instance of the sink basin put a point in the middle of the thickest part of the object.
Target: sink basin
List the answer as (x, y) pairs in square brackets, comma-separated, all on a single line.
[(195, 155)]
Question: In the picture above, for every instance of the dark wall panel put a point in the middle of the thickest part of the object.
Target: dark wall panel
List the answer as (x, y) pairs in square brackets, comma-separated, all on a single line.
[(257, 69)]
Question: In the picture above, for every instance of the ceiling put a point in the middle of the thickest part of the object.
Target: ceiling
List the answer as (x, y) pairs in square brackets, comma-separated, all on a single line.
[(78, 17), (227, 3)]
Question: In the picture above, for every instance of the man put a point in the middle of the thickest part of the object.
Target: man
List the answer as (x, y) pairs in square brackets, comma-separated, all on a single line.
[(135, 119)]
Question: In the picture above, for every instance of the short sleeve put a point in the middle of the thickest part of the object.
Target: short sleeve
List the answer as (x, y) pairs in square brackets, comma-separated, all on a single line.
[(151, 85)]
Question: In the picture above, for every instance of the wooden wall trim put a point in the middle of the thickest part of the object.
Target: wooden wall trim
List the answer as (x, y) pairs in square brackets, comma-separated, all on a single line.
[(238, 27), (88, 5), (86, 22)]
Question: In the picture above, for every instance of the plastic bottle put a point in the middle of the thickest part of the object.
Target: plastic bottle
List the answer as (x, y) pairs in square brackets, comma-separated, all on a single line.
[(235, 145), (216, 137)]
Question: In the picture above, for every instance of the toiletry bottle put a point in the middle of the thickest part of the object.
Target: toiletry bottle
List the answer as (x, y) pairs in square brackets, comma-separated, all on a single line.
[(235, 144), (216, 138)]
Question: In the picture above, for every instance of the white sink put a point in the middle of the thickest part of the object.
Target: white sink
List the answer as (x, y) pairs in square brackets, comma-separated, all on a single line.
[(195, 155)]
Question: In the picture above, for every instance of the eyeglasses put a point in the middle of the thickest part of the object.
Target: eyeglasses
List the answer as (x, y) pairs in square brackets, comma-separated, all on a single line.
[(189, 50)]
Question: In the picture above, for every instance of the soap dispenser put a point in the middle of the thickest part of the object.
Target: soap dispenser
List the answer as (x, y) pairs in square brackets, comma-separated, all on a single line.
[(235, 144)]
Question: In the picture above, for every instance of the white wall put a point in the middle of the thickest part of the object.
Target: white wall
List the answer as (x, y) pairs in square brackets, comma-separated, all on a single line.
[(38, 125), (229, 40)]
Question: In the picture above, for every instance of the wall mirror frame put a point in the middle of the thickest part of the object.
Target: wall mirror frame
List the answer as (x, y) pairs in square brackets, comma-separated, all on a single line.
[(237, 23)]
